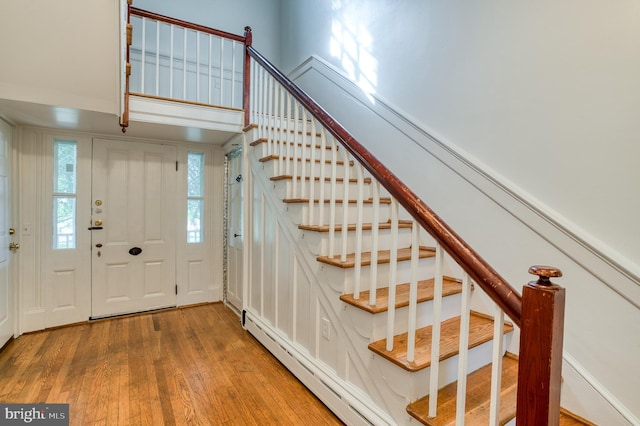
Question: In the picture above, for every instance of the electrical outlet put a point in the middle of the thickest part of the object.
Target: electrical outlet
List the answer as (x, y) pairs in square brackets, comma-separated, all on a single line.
[(326, 328)]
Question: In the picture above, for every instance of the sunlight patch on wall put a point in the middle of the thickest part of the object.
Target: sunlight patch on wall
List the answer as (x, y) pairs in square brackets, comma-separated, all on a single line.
[(352, 43)]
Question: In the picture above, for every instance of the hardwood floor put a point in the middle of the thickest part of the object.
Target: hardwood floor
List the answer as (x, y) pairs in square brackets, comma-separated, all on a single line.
[(192, 366)]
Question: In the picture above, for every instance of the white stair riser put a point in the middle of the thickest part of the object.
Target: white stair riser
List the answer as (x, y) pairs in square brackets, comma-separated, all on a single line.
[(340, 278), (285, 189), (318, 242), (299, 213), (414, 385), (374, 326), (278, 167)]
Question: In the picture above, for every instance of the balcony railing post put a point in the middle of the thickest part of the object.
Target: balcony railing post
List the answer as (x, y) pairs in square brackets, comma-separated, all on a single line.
[(540, 365), (246, 93)]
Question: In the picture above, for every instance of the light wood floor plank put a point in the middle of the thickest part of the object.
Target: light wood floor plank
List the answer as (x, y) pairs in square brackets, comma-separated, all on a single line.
[(192, 366)]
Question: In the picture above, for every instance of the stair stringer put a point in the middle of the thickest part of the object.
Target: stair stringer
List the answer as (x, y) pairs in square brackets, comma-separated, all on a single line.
[(354, 405)]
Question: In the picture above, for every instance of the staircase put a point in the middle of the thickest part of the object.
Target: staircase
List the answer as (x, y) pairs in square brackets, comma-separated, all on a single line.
[(368, 296), (362, 291), (370, 308)]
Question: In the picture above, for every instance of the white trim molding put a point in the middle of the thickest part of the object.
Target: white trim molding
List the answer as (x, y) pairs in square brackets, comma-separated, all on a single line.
[(617, 272)]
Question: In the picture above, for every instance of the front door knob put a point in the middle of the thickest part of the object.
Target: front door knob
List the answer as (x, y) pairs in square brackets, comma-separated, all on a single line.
[(14, 246)]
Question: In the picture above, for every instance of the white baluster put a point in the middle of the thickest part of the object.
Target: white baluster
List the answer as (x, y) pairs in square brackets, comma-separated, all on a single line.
[(435, 339), (221, 71), (277, 130), (413, 292), (270, 128), (232, 104), (303, 154), (312, 171), (393, 273), (157, 58), (496, 367), (209, 86), (332, 200), (296, 150), (323, 175), (171, 66), (357, 273), (184, 65), (265, 100), (373, 283), (464, 350), (143, 54), (197, 66), (290, 144), (345, 205)]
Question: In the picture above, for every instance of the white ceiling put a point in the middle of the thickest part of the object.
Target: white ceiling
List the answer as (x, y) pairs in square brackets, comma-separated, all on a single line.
[(31, 114)]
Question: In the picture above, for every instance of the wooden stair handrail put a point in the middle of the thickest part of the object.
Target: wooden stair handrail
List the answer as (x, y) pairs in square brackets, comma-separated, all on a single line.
[(496, 287), (190, 25)]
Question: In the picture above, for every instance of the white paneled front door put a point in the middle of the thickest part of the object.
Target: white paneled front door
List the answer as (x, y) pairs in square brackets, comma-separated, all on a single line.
[(6, 295), (234, 229), (134, 227)]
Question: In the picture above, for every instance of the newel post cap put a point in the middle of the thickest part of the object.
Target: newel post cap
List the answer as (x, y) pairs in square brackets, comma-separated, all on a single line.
[(545, 273)]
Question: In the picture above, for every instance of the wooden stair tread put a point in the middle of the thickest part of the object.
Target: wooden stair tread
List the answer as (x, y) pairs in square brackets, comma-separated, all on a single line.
[(478, 394), (478, 400), (425, 292), (406, 224), (383, 200), (326, 179), (480, 331), (384, 256), (308, 160), (567, 418)]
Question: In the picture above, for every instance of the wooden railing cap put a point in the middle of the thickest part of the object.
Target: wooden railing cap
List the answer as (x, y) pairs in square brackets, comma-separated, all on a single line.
[(545, 273)]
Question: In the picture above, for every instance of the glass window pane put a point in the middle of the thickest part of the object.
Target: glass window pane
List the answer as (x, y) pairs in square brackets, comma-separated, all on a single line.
[(64, 222), (194, 223), (195, 173), (65, 161)]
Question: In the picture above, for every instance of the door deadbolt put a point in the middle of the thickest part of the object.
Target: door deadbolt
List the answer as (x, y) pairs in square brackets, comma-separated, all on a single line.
[(98, 222)]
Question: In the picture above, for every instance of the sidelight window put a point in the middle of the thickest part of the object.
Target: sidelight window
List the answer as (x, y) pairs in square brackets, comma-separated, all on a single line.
[(65, 161), (195, 196)]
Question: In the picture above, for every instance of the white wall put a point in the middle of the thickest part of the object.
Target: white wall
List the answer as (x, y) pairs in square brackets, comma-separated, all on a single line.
[(61, 54), (534, 104), (263, 16), (545, 95)]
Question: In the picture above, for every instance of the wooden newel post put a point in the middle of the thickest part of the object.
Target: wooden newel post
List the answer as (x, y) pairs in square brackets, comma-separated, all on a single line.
[(541, 334), (246, 93)]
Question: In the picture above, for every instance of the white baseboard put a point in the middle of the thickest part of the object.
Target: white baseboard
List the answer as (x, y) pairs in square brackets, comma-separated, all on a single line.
[(350, 404)]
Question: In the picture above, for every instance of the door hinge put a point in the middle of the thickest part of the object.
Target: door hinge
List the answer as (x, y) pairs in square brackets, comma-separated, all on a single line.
[(176, 166), (176, 289)]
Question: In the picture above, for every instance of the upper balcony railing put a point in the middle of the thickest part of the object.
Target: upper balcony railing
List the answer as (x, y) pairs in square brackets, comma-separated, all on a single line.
[(170, 59)]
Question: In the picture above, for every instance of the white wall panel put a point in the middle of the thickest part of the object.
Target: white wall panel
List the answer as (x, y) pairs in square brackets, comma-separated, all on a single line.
[(66, 56), (500, 221)]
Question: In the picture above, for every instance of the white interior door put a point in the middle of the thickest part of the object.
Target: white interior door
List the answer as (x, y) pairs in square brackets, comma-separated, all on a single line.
[(134, 227), (6, 294), (235, 229)]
